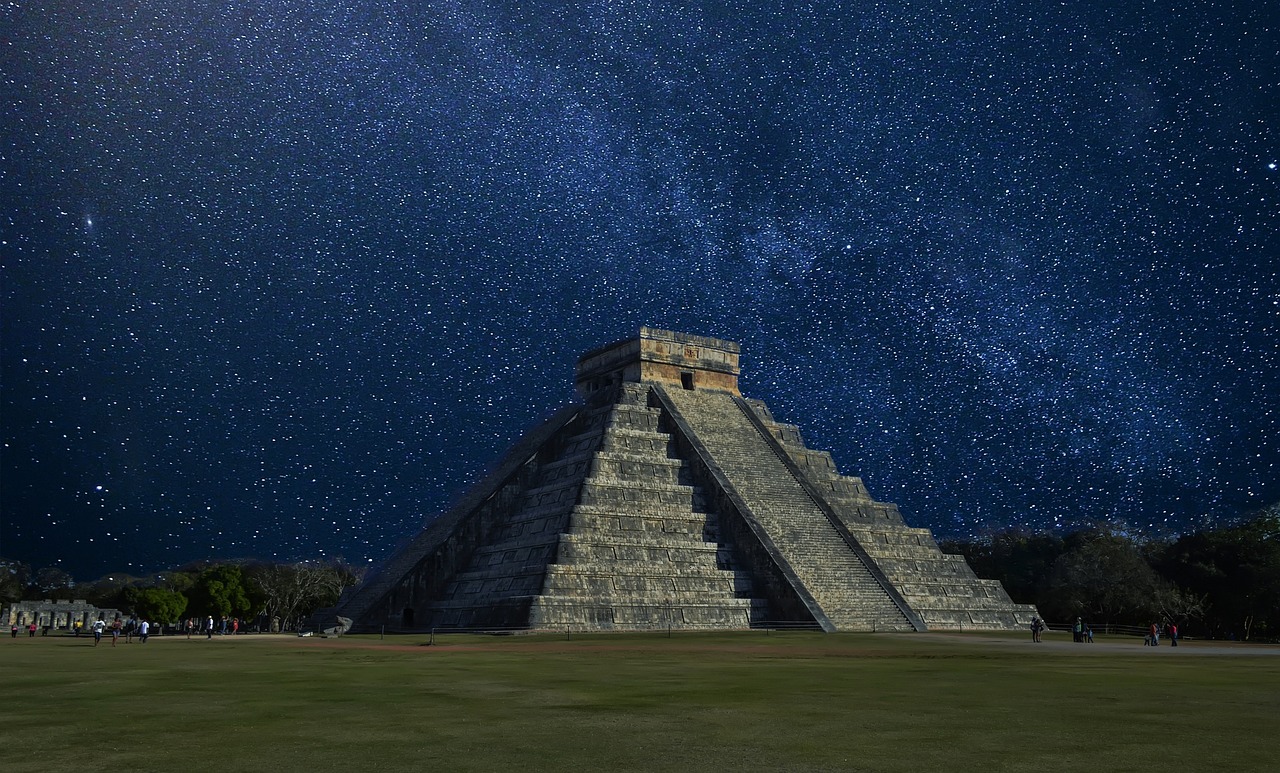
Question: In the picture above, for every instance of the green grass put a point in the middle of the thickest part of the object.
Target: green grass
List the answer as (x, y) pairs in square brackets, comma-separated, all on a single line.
[(792, 701)]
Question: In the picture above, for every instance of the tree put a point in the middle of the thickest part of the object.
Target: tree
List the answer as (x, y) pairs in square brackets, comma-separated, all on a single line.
[(1104, 576), (294, 591), (160, 605), (107, 592), (221, 591), (13, 579), (1236, 569)]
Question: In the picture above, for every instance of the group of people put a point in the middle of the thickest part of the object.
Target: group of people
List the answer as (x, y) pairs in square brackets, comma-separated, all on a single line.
[(1082, 633), (193, 625), (1152, 639), (118, 627), (31, 630), (143, 628)]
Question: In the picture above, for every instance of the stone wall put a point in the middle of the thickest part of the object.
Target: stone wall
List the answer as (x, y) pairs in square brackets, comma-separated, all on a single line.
[(58, 614)]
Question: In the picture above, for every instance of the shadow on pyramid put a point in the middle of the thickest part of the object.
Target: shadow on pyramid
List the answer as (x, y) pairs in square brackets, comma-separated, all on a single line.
[(667, 500)]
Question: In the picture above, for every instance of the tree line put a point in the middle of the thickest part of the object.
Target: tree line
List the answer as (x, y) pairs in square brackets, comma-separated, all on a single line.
[(277, 594), (1221, 583)]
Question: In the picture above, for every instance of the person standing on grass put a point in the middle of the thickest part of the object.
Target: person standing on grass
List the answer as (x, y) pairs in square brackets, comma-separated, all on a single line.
[(208, 628), (1154, 633), (98, 627), (1173, 634), (143, 629), (116, 627)]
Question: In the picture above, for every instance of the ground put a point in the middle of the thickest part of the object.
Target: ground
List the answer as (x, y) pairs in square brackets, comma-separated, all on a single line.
[(744, 701)]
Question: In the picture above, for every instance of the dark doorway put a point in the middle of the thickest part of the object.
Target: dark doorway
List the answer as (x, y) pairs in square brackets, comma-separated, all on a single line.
[(686, 379), (406, 618)]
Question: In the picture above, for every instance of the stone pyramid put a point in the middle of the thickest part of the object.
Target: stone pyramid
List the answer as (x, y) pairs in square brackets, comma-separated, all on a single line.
[(667, 500)]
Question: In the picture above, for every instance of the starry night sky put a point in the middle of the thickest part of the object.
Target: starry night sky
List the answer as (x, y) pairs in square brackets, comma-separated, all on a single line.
[(281, 278)]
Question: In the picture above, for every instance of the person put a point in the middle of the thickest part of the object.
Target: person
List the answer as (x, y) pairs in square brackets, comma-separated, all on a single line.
[(1173, 634), (31, 630), (116, 626), (1077, 631), (235, 626), (79, 624), (208, 628), (191, 626), (1154, 633), (1088, 635), (1037, 626), (13, 631), (143, 629), (99, 626)]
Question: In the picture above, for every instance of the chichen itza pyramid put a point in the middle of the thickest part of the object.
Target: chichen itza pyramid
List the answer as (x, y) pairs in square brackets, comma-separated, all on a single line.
[(666, 499)]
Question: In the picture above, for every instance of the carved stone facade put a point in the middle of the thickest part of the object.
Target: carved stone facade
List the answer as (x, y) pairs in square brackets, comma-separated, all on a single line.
[(668, 500), (57, 614)]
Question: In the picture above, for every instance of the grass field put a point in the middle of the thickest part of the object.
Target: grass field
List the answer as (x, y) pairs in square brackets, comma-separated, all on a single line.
[(733, 701)]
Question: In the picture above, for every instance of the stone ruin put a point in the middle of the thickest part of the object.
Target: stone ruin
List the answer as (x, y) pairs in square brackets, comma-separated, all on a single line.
[(56, 614), (668, 500)]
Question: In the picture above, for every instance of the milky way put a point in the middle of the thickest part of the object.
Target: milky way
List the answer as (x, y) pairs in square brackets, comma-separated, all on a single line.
[(281, 278)]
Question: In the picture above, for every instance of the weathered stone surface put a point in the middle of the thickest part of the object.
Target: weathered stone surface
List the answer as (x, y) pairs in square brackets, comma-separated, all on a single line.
[(56, 614), (669, 501)]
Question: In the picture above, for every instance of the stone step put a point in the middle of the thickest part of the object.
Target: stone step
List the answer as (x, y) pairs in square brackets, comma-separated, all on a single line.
[(732, 613), (640, 497), (655, 588), (530, 529), (908, 568), (674, 553), (962, 619), (627, 524), (905, 552), (633, 469), (954, 590), (492, 589)]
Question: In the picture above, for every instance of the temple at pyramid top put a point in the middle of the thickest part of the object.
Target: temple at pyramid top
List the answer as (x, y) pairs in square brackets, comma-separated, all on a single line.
[(667, 499), (662, 357)]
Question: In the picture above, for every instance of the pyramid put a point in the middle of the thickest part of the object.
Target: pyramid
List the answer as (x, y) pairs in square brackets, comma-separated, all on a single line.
[(667, 500)]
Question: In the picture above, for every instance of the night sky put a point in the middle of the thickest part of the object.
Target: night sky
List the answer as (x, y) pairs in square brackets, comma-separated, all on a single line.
[(281, 278)]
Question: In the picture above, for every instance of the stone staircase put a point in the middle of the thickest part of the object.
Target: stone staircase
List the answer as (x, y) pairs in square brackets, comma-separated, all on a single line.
[(942, 588), (614, 535), (835, 576)]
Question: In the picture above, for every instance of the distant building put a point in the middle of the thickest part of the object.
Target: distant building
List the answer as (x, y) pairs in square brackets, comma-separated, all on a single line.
[(59, 614)]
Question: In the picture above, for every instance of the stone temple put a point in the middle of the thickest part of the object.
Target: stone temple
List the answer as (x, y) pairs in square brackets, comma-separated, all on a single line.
[(666, 499)]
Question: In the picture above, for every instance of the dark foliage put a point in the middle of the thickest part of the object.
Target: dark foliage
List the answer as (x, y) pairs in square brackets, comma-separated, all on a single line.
[(1221, 583)]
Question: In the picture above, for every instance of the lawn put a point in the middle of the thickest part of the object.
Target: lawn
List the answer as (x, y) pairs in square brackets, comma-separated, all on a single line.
[(733, 701)]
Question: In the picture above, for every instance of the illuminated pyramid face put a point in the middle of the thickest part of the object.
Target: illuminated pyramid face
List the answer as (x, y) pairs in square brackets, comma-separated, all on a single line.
[(669, 500)]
